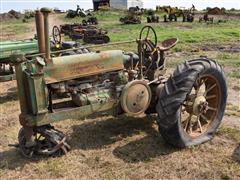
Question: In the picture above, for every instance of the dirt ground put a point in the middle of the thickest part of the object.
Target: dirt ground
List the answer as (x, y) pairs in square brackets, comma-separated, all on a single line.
[(122, 148)]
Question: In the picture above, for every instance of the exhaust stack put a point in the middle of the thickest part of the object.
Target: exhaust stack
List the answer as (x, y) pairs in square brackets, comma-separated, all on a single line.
[(40, 32), (46, 12)]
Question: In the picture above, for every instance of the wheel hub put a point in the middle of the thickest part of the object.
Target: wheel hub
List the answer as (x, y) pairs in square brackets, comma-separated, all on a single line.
[(197, 105), (200, 105)]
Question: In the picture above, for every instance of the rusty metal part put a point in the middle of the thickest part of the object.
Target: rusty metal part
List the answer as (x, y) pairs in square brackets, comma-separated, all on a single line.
[(141, 55), (40, 31), (136, 97), (69, 67), (56, 35), (46, 12), (167, 44), (89, 33), (201, 106), (45, 141)]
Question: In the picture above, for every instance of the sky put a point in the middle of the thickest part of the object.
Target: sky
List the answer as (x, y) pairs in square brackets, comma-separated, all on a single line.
[(20, 5)]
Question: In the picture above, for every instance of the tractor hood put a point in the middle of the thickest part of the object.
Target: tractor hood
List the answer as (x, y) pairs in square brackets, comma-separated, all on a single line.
[(76, 66), (8, 48)]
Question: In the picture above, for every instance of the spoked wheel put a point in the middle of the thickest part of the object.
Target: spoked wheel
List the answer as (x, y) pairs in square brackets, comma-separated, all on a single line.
[(201, 105), (26, 151), (45, 141), (56, 34), (192, 104)]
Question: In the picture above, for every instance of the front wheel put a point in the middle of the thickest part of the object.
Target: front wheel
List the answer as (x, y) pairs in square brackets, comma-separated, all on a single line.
[(192, 103)]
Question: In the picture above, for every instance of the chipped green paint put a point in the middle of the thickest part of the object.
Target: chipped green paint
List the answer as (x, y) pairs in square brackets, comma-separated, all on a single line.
[(33, 77), (8, 48), (76, 66), (73, 113)]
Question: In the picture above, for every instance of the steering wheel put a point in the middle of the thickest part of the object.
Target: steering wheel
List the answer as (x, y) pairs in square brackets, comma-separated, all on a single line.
[(56, 34), (149, 35), (147, 48)]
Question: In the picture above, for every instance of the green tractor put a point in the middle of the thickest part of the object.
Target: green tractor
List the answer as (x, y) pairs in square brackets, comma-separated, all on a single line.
[(7, 49), (189, 104)]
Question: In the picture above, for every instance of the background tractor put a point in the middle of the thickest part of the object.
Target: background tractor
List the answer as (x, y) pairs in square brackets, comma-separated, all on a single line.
[(190, 104), (77, 13), (133, 16), (172, 13), (88, 33), (188, 15), (152, 17)]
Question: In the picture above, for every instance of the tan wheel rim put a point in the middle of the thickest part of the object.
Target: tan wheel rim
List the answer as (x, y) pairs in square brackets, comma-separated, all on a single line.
[(201, 106)]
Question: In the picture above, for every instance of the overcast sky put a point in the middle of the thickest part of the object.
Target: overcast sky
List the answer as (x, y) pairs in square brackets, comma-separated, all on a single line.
[(19, 5)]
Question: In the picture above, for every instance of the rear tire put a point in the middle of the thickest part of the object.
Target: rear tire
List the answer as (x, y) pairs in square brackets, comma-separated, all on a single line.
[(174, 94)]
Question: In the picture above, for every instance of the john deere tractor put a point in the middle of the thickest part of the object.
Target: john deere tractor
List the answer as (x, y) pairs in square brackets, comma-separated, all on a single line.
[(171, 13), (189, 104), (7, 49)]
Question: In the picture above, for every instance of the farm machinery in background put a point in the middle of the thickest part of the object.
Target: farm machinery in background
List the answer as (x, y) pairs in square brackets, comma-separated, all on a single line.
[(91, 20), (188, 15), (152, 17), (29, 47), (206, 18), (89, 34), (77, 13), (172, 13), (133, 16), (190, 104)]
